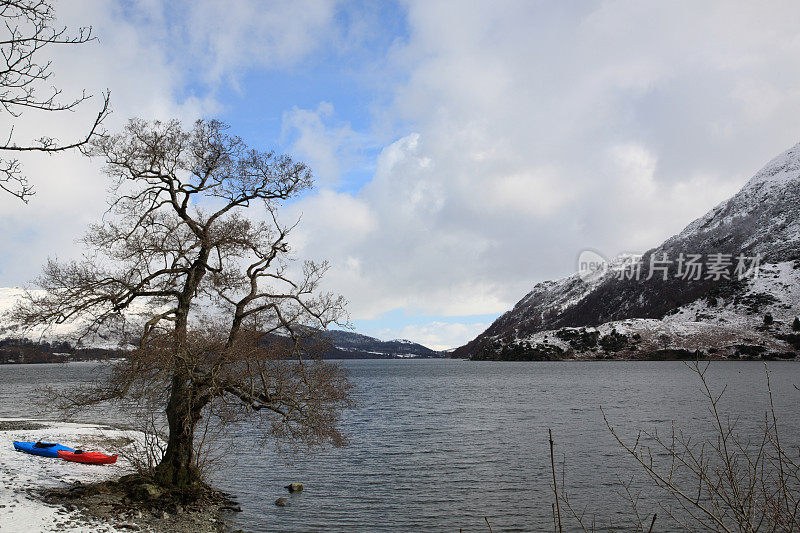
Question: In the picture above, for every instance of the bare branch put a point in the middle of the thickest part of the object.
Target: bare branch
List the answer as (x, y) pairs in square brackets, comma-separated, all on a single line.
[(28, 29)]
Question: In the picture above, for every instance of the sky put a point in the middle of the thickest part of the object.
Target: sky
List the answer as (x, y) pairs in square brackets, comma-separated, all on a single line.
[(463, 151)]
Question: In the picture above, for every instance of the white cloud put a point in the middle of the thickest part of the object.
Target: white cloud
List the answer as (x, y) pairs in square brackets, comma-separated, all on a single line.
[(146, 63), (71, 189), (405, 258), (348, 220), (327, 150), (518, 134), (532, 192), (545, 128), (240, 34)]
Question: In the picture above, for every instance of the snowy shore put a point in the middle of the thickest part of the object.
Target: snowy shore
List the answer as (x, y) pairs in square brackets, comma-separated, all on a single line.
[(21, 475)]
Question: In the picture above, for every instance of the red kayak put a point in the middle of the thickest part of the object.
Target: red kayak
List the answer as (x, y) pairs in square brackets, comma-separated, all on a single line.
[(91, 458)]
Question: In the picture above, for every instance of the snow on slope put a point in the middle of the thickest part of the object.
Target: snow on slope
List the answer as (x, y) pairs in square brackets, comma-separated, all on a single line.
[(779, 281), (778, 180), (719, 326), (349, 343), (763, 218), (780, 170), (652, 335), (9, 299)]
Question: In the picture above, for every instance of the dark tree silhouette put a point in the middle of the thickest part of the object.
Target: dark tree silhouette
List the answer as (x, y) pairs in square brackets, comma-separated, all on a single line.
[(185, 246), (27, 29)]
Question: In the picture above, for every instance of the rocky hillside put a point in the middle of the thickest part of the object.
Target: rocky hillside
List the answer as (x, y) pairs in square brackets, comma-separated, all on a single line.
[(716, 314)]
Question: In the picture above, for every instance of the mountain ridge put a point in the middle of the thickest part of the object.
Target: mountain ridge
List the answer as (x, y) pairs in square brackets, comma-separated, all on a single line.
[(759, 220)]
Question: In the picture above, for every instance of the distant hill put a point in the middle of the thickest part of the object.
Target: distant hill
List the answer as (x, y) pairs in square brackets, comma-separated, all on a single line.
[(613, 316), (350, 345), (58, 344)]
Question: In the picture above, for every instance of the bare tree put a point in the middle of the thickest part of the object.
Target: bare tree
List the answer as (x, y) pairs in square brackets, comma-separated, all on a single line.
[(185, 246), (27, 31)]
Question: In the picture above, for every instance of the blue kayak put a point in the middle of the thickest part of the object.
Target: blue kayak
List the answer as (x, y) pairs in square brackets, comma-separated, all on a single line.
[(45, 449)]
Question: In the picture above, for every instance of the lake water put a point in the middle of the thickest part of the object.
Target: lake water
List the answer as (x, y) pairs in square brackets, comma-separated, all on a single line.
[(437, 445)]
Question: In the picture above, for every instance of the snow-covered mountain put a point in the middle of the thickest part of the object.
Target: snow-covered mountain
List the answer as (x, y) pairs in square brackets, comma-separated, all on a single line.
[(337, 344), (619, 315)]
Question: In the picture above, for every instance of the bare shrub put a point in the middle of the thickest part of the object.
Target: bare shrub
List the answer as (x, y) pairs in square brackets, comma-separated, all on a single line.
[(728, 482), (146, 452)]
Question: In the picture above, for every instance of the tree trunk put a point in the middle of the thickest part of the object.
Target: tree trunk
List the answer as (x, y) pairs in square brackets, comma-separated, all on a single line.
[(177, 469)]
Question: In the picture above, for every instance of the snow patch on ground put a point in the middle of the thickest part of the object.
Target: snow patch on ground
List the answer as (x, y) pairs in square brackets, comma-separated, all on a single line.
[(21, 474)]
